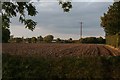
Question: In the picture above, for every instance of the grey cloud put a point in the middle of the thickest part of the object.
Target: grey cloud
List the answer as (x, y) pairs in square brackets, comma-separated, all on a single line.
[(51, 17)]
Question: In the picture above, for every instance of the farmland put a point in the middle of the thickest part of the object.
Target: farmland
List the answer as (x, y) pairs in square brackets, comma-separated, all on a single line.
[(59, 61), (58, 50)]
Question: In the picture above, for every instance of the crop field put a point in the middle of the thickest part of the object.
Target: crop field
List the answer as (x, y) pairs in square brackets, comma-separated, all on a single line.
[(59, 62), (59, 50)]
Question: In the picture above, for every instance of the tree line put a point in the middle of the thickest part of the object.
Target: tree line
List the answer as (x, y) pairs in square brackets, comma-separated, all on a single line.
[(93, 40), (39, 39), (50, 39)]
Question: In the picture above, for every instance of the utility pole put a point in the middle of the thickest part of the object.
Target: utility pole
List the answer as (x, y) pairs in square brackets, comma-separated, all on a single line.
[(81, 30)]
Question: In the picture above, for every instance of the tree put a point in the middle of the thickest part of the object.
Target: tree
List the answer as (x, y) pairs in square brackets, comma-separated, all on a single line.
[(28, 40), (13, 8), (40, 38), (89, 40), (58, 40), (17, 40), (48, 38), (70, 39), (11, 38), (66, 5), (34, 39), (111, 20), (5, 35), (101, 40)]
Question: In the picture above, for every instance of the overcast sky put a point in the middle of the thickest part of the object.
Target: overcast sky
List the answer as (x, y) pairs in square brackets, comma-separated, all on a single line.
[(52, 20)]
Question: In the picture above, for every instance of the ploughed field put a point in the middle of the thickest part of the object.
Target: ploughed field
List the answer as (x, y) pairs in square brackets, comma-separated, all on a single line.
[(58, 50), (59, 62)]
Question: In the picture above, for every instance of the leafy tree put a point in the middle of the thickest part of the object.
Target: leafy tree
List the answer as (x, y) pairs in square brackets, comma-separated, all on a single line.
[(40, 38), (101, 40), (89, 40), (95, 40), (18, 40), (13, 9), (58, 40), (66, 5), (28, 40), (15, 40), (34, 40), (48, 38), (70, 39), (111, 19), (11, 38), (5, 35)]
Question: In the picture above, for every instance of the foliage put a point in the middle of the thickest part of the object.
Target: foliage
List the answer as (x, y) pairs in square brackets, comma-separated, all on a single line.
[(48, 38), (33, 39), (13, 9), (40, 38), (58, 40), (110, 21), (28, 40), (5, 35), (99, 40), (70, 39), (113, 40), (66, 5), (16, 40), (48, 68)]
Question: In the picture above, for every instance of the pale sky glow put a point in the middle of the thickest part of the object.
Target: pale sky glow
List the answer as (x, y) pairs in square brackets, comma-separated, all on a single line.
[(52, 20)]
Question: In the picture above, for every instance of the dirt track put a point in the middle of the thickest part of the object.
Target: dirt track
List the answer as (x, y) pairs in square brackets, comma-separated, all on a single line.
[(58, 50)]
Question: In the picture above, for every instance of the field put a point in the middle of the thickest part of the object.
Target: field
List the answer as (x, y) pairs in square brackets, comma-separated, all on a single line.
[(59, 61), (59, 50)]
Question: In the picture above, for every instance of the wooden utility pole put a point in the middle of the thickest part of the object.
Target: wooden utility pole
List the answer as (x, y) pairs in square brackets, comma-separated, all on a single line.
[(81, 30)]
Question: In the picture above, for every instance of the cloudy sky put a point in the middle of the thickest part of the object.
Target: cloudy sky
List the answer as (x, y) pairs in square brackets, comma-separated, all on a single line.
[(52, 20)]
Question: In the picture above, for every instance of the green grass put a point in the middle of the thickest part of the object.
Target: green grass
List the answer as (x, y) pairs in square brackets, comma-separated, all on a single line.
[(48, 68)]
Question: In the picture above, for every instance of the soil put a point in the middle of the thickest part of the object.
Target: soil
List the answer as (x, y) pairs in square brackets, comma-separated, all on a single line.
[(58, 50)]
